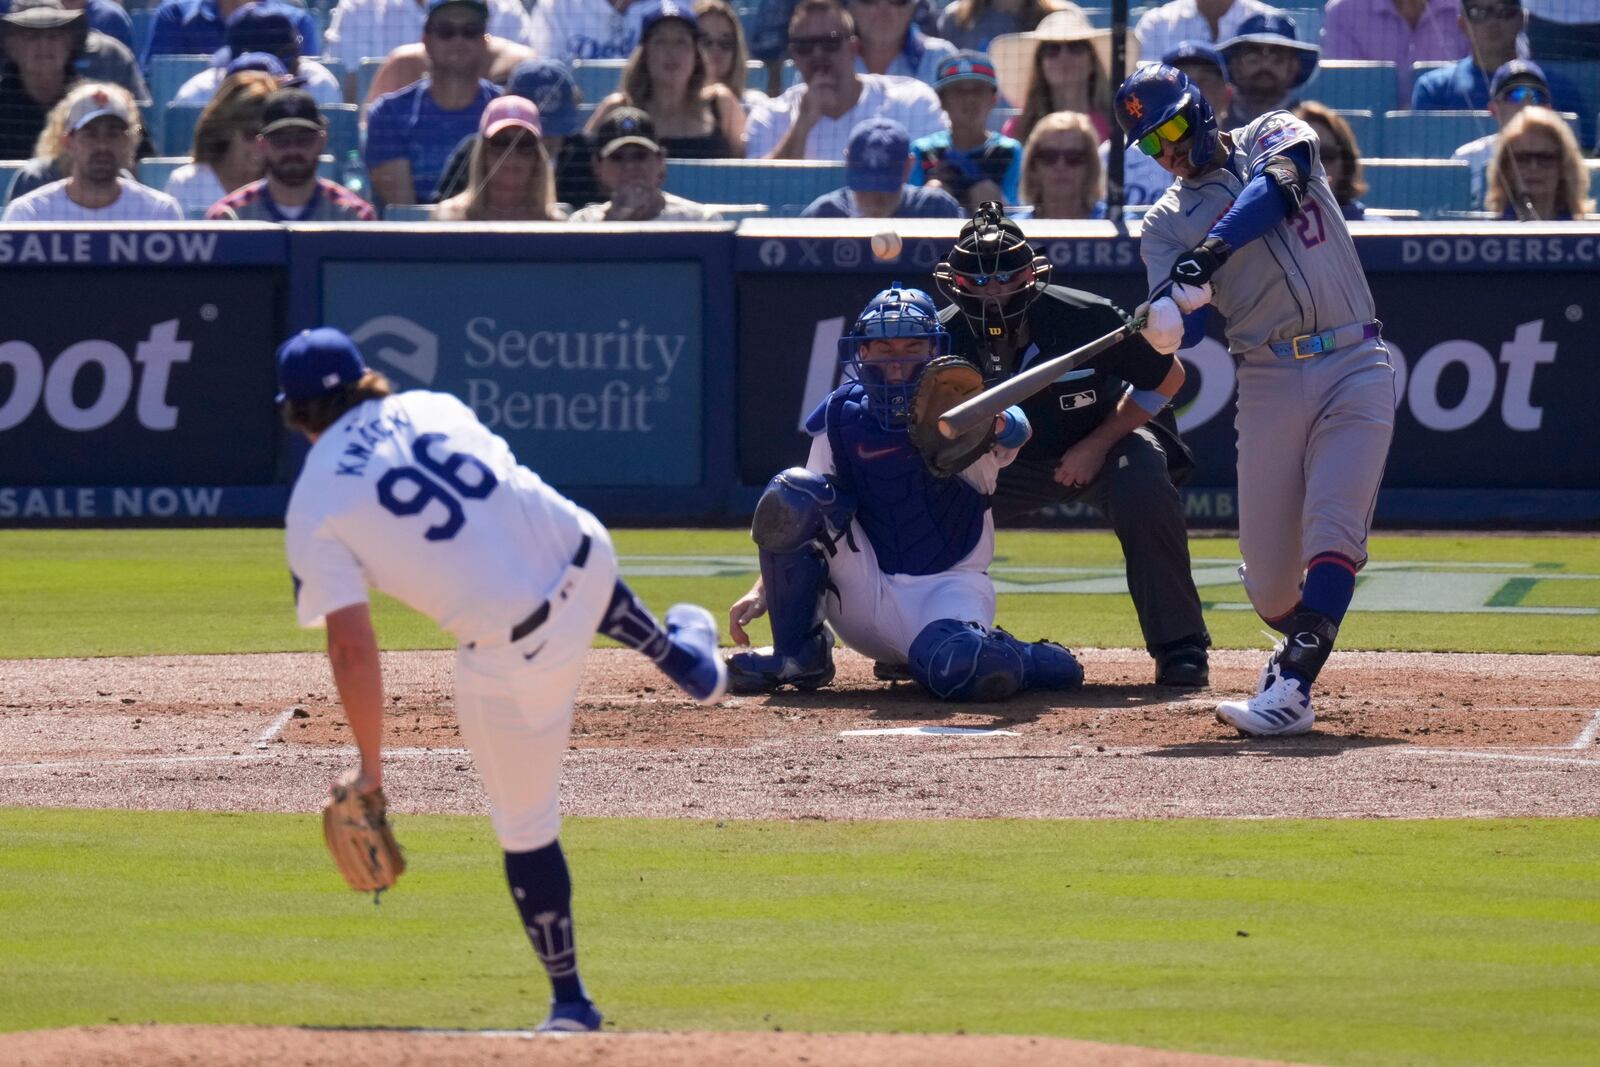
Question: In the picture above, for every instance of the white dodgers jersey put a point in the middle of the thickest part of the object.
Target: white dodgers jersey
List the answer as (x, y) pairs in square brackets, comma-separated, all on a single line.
[(413, 496)]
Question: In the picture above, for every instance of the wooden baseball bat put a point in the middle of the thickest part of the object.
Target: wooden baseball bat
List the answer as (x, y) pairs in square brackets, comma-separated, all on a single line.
[(976, 410)]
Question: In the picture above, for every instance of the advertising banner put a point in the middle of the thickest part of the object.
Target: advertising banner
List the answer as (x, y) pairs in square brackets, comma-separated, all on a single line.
[(1492, 384), (591, 371), (116, 379)]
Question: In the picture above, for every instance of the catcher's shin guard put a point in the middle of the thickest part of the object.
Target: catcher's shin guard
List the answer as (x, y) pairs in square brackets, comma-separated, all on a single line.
[(797, 507), (1045, 664), (963, 661)]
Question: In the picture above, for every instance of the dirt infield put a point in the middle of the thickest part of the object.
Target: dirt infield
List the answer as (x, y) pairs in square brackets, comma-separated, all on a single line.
[(1398, 735)]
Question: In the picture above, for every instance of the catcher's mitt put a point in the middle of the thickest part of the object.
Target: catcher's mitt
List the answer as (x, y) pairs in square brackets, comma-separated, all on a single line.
[(946, 382), (358, 835)]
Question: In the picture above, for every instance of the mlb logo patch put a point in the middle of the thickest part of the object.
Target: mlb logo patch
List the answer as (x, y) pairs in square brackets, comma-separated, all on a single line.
[(1074, 401)]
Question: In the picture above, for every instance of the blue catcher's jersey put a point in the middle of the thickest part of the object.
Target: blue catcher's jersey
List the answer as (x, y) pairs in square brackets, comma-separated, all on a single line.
[(916, 523)]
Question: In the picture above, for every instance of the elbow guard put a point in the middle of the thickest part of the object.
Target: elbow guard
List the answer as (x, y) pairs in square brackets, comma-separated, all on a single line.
[(1289, 177)]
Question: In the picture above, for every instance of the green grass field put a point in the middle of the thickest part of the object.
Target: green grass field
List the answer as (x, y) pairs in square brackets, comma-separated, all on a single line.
[(1448, 942), (134, 592), (1349, 942)]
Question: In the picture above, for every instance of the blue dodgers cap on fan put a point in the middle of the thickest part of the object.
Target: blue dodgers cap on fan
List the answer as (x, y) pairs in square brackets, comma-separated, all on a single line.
[(315, 362), (265, 62), (260, 28), (550, 85), (656, 10), (1196, 52), (875, 160), (1518, 72)]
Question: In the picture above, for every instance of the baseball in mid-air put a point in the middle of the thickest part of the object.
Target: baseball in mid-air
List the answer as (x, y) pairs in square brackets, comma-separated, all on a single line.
[(886, 245)]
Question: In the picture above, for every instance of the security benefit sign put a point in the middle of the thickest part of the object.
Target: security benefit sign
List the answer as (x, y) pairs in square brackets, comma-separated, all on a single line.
[(121, 378), (592, 372)]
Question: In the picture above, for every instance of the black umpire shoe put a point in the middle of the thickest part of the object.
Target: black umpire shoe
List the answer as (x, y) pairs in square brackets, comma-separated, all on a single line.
[(1183, 665)]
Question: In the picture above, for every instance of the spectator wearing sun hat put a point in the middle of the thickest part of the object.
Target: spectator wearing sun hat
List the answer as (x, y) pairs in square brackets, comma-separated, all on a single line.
[(877, 164), (969, 161), (1266, 63)]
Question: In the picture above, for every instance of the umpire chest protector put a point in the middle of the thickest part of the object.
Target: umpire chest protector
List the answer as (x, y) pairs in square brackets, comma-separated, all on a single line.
[(917, 523)]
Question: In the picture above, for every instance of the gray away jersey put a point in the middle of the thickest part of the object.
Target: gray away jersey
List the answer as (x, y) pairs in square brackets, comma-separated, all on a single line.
[(1301, 277)]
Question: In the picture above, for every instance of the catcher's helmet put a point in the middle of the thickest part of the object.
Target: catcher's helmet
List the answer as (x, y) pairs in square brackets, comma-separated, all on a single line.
[(1153, 96), (897, 313), (987, 273)]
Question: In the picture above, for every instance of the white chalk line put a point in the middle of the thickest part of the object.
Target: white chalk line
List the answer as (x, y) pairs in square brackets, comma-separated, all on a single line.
[(1589, 733), (1510, 757), (229, 757), (272, 730)]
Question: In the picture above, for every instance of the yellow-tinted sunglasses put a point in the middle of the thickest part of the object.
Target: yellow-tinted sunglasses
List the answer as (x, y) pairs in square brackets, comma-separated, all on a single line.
[(1173, 130)]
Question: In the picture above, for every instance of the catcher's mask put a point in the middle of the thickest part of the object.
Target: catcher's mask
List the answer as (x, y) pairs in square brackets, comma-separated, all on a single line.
[(992, 274), (893, 339)]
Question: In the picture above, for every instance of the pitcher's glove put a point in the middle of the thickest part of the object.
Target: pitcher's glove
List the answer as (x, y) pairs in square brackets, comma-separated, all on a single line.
[(357, 831), (946, 382)]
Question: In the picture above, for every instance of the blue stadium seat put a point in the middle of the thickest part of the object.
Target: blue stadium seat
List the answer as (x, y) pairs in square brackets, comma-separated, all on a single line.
[(1425, 185), (143, 20), (8, 174), (408, 213), (1432, 134), (1584, 77), (1353, 83), (177, 128), (344, 128), (1593, 166), (364, 75), (1307, 22), (168, 73), (155, 170), (334, 65), (597, 78), (786, 186), (1365, 127)]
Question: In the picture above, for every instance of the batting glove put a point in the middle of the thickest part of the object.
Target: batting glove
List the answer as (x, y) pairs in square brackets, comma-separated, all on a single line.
[(1198, 265), (1190, 298), (1163, 326)]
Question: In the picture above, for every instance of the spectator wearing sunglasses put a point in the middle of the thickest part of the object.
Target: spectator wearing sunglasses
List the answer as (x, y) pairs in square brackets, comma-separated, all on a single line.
[(695, 118), (633, 168), (1491, 28), (1061, 177), (723, 48), (1401, 32), (1061, 66), (1537, 171), (1340, 156), (411, 132), (362, 28), (814, 119), (877, 166), (293, 135), (1563, 29), (1520, 83), (509, 174), (1266, 64), (969, 161), (891, 44)]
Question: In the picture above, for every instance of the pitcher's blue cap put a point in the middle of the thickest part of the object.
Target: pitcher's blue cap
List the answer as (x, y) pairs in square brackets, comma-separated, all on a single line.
[(315, 362)]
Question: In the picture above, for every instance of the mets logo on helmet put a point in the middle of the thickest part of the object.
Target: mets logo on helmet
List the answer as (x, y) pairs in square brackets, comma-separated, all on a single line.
[(1134, 106)]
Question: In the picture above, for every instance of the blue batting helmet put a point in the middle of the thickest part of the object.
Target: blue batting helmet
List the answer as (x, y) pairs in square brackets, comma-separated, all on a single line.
[(897, 313), (1154, 95)]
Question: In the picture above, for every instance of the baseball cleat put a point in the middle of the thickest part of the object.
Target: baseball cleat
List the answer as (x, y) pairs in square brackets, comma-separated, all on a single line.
[(571, 1017), (1185, 667), (763, 670), (691, 628), (1282, 709)]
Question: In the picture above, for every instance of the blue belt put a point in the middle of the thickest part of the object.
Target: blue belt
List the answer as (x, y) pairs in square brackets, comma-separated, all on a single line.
[(1314, 344)]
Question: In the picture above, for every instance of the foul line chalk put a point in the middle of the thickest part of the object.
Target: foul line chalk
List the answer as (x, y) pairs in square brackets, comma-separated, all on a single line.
[(1514, 757), (1589, 734), (272, 730), (929, 731), (342, 752)]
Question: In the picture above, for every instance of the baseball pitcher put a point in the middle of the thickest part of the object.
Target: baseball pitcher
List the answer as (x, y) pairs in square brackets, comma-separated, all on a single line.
[(411, 494), (1251, 227)]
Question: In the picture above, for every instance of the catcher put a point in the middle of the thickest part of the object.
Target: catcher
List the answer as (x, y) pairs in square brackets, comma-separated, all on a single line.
[(885, 533)]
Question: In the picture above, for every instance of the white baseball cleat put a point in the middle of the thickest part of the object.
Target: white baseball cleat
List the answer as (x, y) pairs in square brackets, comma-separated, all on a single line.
[(1281, 709)]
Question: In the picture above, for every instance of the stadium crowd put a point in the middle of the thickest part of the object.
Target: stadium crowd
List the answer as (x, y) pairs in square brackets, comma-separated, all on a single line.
[(608, 110)]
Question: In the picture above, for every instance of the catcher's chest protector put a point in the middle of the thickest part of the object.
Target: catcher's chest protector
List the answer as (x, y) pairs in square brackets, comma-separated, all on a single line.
[(917, 523)]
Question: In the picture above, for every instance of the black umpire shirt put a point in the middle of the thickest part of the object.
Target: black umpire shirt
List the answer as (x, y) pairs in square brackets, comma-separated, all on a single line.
[(1065, 412)]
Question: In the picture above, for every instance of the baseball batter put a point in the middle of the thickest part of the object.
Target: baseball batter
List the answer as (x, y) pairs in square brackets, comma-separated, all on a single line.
[(410, 494), (1251, 226), (866, 539)]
